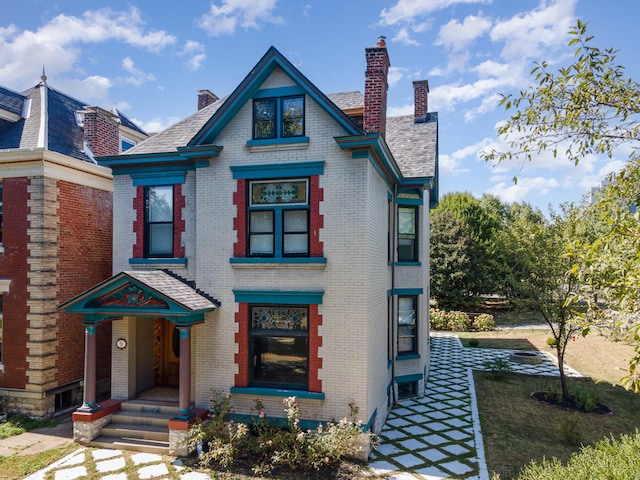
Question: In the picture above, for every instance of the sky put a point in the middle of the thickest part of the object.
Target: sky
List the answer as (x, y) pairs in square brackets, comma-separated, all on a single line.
[(149, 58)]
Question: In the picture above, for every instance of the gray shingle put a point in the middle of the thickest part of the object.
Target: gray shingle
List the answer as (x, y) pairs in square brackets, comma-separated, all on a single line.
[(11, 101), (414, 145)]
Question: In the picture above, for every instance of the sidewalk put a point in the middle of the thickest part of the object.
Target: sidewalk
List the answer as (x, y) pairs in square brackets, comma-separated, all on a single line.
[(432, 438)]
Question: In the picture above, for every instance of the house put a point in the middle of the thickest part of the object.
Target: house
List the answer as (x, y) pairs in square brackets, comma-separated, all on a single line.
[(273, 244), (55, 242)]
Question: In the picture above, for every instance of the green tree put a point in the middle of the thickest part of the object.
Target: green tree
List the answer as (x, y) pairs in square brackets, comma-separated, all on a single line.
[(588, 107)]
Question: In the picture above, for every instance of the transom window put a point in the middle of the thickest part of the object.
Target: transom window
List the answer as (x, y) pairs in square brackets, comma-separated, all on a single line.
[(159, 221), (279, 218), (278, 117), (279, 346), (407, 234), (407, 338)]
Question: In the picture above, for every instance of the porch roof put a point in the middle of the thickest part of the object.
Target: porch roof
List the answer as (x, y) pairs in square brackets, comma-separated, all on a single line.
[(149, 293)]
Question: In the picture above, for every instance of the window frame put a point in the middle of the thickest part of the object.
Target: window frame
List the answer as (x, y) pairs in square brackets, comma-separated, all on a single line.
[(414, 348), (1, 208), (148, 224), (279, 117), (254, 333), (415, 240), (279, 212)]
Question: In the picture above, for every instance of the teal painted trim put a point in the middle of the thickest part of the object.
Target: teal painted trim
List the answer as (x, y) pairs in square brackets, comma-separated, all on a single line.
[(116, 161), (409, 264), (408, 356), (200, 151), (409, 201), (279, 92), (389, 363), (90, 330), (390, 263), (279, 297), (389, 196), (367, 426), (389, 293), (158, 178), (367, 155), (152, 261), (184, 333), (408, 378), (304, 424), (277, 141), (409, 291), (302, 169), (276, 392), (278, 260)]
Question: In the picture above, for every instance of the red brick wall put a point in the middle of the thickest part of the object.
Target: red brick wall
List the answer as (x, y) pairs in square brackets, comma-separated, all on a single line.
[(240, 222), (138, 223), (85, 245), (317, 220), (420, 98), (315, 342), (101, 133), (375, 90), (13, 265)]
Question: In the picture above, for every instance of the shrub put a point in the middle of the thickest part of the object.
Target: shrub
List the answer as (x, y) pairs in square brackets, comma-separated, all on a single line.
[(438, 319), (458, 321), (499, 367), (552, 342), (474, 342), (586, 398), (484, 323), (609, 458), (569, 430)]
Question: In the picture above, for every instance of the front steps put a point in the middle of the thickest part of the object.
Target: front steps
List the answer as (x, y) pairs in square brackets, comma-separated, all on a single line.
[(140, 426)]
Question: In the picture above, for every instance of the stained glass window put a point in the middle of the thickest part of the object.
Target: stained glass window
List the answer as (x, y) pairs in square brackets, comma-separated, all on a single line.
[(279, 192)]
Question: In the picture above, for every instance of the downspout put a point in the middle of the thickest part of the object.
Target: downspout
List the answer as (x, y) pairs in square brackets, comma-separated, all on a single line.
[(394, 237)]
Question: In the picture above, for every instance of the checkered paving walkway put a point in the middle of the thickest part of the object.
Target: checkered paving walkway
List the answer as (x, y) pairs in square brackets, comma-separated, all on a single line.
[(438, 436)]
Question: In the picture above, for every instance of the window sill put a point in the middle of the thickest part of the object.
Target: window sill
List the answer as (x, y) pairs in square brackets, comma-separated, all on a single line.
[(408, 264), (144, 263), (292, 263), (269, 144), (407, 356), (277, 392)]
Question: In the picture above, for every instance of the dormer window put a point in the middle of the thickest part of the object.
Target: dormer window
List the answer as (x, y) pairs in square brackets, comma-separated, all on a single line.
[(278, 117)]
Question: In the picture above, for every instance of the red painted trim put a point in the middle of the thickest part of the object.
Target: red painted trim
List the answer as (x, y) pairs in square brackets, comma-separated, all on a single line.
[(315, 342), (179, 203), (242, 341), (240, 221), (316, 194), (183, 425), (138, 224), (106, 408)]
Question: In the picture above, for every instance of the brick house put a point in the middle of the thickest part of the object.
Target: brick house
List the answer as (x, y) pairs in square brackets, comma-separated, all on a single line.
[(56, 237), (275, 243)]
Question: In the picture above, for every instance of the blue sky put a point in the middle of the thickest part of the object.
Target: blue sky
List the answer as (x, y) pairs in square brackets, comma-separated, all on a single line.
[(149, 58)]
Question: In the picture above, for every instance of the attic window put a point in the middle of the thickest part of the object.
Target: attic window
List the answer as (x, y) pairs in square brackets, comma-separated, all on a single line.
[(278, 117)]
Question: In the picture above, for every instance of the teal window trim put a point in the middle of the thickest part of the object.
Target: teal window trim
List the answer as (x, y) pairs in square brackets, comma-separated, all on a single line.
[(292, 91), (277, 392), (408, 291), (278, 108), (408, 378), (158, 178), (151, 261), (277, 141), (279, 297), (281, 170), (276, 421), (408, 264), (389, 363), (407, 356), (278, 260)]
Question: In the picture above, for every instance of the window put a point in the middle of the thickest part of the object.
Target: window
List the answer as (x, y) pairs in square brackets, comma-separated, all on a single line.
[(407, 390), (278, 219), (278, 117), (0, 213), (159, 221), (407, 325), (279, 346), (1, 326), (407, 234), (126, 144)]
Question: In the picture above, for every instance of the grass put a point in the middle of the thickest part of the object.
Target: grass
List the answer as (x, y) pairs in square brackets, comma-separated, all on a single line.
[(17, 424), (19, 466)]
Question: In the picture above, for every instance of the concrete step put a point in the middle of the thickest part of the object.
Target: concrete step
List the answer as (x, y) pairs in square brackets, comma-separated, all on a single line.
[(132, 444), (150, 406), (130, 430), (141, 418)]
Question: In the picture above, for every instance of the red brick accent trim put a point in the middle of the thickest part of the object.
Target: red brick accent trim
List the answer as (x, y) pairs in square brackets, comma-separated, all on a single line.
[(315, 342), (179, 203), (240, 221), (177, 424), (138, 224), (106, 408), (242, 341), (317, 219)]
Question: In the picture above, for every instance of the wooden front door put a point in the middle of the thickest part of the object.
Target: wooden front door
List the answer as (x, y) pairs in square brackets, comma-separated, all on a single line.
[(166, 351)]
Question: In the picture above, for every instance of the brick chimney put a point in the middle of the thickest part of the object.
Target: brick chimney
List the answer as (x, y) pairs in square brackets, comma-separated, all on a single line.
[(101, 131), (420, 98), (375, 89), (206, 98)]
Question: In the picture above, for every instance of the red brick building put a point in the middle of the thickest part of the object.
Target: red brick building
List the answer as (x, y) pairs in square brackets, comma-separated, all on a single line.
[(55, 241)]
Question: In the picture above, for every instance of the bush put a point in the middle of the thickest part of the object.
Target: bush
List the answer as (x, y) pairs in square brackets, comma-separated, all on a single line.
[(609, 458), (484, 323), (459, 321), (438, 319), (552, 342)]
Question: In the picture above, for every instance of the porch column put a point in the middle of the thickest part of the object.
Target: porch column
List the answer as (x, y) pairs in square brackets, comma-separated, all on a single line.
[(184, 401), (89, 404)]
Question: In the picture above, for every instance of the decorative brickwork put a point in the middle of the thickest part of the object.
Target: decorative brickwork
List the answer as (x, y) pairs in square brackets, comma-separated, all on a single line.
[(240, 221), (138, 224), (421, 98), (317, 219), (178, 221), (315, 342), (375, 90)]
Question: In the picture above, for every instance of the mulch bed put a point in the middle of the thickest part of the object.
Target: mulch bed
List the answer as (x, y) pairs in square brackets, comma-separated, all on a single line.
[(555, 400)]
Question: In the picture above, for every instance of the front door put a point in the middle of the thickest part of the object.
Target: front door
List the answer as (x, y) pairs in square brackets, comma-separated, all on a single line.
[(166, 352)]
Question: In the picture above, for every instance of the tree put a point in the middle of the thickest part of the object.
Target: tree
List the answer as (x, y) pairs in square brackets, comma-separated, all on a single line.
[(588, 107)]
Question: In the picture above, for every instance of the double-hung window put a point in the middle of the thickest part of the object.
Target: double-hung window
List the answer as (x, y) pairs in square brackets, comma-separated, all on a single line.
[(278, 218), (159, 221), (407, 317), (0, 213), (278, 117), (279, 346), (407, 234)]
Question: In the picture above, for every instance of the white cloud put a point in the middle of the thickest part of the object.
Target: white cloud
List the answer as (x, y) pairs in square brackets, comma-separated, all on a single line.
[(157, 124), (457, 36), (408, 10), (233, 14), (195, 53), (93, 89), (524, 190), (403, 36), (137, 77), (452, 164), (489, 104), (57, 44), (395, 75)]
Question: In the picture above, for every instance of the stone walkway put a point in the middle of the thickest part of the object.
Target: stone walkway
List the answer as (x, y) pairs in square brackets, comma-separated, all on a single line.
[(432, 438), (438, 436)]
